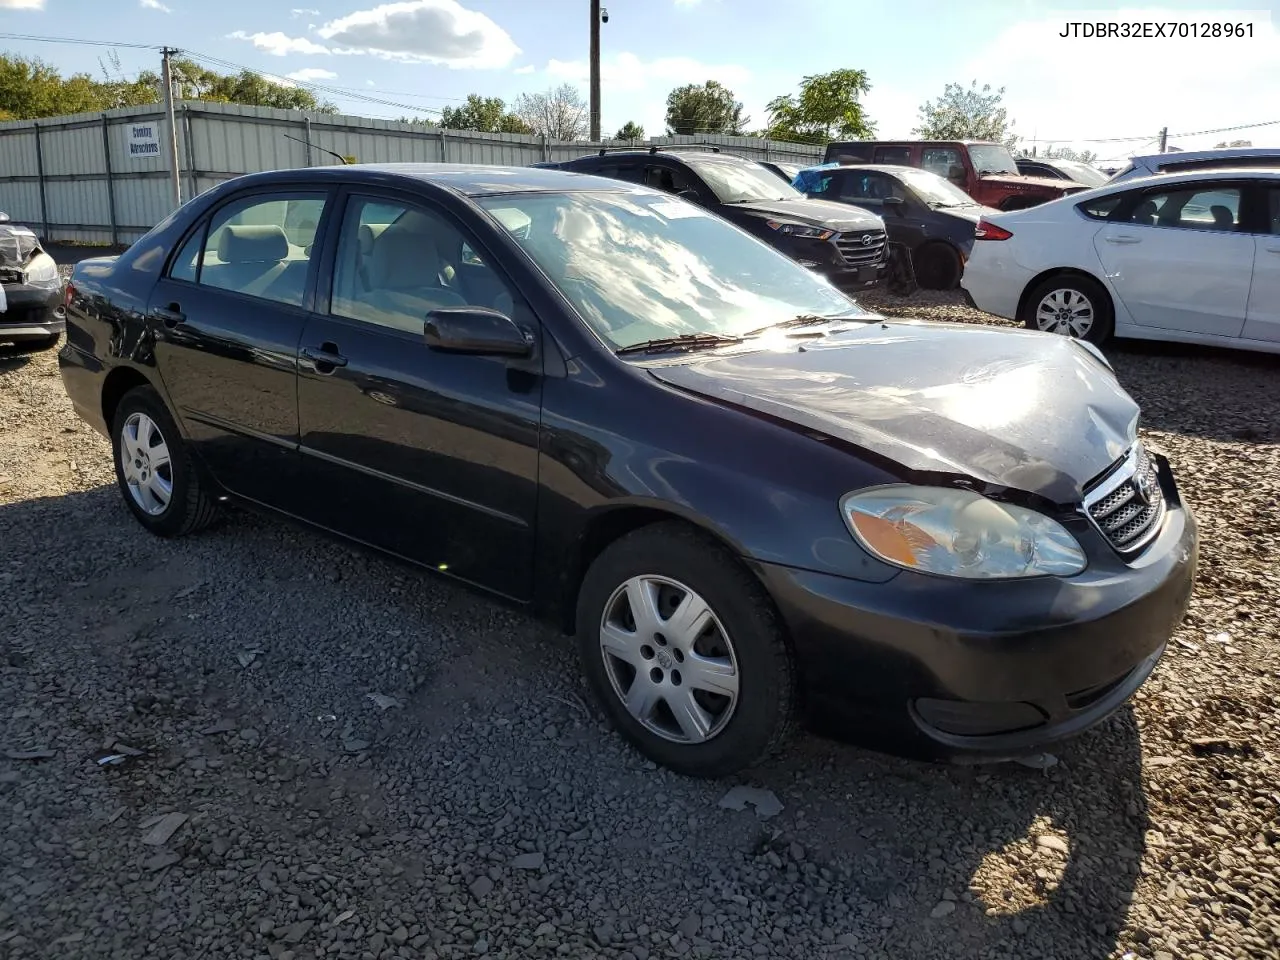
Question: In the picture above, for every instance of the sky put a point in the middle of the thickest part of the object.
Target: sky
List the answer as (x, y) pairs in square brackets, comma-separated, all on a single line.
[(413, 57)]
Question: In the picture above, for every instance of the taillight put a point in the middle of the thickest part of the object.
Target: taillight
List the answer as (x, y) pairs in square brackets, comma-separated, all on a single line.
[(986, 230), (68, 294)]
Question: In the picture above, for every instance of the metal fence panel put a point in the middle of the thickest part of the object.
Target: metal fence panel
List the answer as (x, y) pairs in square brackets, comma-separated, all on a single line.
[(94, 190)]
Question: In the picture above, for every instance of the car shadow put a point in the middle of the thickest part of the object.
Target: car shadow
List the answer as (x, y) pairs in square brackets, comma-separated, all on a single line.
[(1209, 392), (881, 843), (12, 358)]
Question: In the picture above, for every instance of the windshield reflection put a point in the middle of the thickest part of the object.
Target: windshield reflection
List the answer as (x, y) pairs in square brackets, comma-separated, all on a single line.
[(739, 182), (643, 266)]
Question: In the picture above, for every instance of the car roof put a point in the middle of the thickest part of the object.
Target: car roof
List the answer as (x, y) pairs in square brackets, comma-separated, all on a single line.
[(1222, 153), (472, 180), (898, 168), (1215, 173)]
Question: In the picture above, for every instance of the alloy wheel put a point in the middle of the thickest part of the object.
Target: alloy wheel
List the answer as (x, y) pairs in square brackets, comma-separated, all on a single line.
[(669, 659), (146, 465), (1065, 311)]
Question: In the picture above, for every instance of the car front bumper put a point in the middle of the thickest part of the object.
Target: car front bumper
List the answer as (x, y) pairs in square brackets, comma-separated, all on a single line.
[(993, 670), (32, 312)]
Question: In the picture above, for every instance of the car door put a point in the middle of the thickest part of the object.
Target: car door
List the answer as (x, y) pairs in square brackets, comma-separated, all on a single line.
[(227, 316), (1176, 260), (432, 456), (1262, 316), (869, 189)]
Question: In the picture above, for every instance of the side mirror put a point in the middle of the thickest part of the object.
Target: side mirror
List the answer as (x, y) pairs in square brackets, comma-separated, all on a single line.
[(895, 205), (4, 218), (478, 331)]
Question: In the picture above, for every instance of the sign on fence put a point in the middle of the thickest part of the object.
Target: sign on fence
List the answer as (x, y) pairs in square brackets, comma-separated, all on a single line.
[(144, 140)]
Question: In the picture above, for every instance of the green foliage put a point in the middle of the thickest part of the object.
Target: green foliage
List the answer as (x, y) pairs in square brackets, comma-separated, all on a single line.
[(971, 114), (1066, 153), (630, 131), (31, 89), (828, 107), (710, 108), (485, 114)]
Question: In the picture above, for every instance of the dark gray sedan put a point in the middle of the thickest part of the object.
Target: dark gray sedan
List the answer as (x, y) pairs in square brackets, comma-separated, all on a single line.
[(927, 214)]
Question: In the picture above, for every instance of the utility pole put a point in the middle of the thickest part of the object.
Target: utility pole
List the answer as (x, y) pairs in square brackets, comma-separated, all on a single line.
[(166, 77), (595, 70), (1164, 138)]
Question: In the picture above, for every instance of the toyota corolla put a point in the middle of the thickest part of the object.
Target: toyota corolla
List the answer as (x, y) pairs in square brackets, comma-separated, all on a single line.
[(749, 498)]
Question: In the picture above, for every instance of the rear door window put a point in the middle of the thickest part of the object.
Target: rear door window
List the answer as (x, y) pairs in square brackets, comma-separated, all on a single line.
[(897, 155), (940, 160), (1196, 207)]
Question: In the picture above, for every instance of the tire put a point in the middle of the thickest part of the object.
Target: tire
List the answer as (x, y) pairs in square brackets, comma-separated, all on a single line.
[(741, 646), (188, 507), (937, 266), (1066, 290)]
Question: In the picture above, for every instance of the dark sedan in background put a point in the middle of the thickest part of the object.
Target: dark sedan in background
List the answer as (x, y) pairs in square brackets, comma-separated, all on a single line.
[(740, 490), (931, 217), (31, 308), (846, 246)]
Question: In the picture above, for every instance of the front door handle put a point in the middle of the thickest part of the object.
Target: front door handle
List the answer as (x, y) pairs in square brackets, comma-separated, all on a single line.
[(1273, 249), (170, 316), (1123, 238), (324, 358)]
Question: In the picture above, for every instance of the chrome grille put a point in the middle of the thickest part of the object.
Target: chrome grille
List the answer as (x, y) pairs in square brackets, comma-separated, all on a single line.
[(854, 251), (1128, 505)]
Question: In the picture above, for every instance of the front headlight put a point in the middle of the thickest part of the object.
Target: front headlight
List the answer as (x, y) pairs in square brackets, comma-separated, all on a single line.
[(959, 533), (801, 230), (42, 270)]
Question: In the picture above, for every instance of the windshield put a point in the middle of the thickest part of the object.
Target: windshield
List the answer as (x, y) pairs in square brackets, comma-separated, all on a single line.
[(741, 182), (642, 266), (1081, 172), (991, 158), (934, 190)]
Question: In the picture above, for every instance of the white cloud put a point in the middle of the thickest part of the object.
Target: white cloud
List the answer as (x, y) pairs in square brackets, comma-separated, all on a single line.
[(304, 12), (154, 5), (894, 112), (1118, 87), (432, 31), (687, 3), (21, 4), (527, 68), (312, 75), (279, 44), (627, 72)]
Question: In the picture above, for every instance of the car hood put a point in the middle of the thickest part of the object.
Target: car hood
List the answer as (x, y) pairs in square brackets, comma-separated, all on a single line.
[(1030, 411), (1018, 180), (824, 213)]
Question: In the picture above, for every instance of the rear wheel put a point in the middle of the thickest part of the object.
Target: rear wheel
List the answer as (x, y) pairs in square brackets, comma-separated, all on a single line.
[(683, 650), (937, 266), (1071, 305), (160, 483)]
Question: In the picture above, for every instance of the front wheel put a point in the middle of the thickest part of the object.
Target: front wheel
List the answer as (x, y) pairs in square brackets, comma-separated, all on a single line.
[(683, 650), (154, 469), (937, 266), (1071, 305)]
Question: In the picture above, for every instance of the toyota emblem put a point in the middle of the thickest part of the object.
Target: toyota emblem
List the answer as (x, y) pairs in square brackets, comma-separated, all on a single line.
[(866, 239), (1143, 487)]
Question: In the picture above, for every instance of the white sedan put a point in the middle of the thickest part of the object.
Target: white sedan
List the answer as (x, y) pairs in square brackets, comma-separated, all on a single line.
[(1193, 257)]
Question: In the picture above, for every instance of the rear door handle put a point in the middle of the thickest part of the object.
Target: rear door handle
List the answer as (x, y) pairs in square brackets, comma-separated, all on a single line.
[(1273, 249), (170, 316), (1123, 238), (324, 358)]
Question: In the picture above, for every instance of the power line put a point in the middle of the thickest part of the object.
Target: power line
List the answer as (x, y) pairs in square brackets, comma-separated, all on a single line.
[(75, 40)]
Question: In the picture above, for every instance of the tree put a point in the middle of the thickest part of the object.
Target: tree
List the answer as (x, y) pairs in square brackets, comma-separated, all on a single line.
[(31, 89), (961, 114), (485, 114), (710, 108), (1064, 153), (558, 114), (630, 131), (828, 107), (1234, 143)]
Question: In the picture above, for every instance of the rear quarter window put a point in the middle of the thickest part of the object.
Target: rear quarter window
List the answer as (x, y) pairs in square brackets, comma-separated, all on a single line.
[(1101, 208)]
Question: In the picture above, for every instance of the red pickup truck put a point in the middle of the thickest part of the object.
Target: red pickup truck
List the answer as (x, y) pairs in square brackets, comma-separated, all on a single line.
[(985, 171)]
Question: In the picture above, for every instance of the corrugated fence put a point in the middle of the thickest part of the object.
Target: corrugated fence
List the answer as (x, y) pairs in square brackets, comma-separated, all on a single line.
[(93, 177)]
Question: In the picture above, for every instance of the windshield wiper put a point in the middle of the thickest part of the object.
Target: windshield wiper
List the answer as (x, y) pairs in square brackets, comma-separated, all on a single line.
[(686, 341), (803, 320)]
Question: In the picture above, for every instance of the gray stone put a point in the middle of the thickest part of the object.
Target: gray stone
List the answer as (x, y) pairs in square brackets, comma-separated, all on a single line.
[(943, 909), (528, 861), (481, 887)]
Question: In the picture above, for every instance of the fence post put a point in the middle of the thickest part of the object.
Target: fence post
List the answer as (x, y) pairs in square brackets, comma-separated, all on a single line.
[(111, 185), (766, 148), (191, 151), (546, 147), (44, 206), (444, 147), (306, 121)]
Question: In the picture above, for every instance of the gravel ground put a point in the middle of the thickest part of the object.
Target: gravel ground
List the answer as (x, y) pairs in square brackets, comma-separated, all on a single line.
[(323, 754)]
